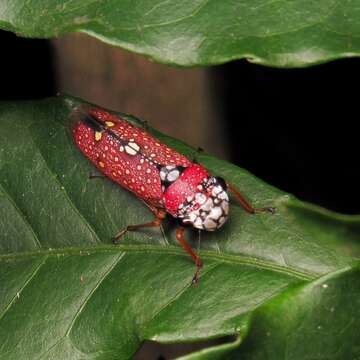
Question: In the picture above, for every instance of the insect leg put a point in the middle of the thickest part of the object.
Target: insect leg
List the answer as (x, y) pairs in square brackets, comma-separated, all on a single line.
[(160, 215), (194, 256), (245, 204), (96, 176)]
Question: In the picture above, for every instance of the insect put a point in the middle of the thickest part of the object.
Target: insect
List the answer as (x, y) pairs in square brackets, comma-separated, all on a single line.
[(166, 181)]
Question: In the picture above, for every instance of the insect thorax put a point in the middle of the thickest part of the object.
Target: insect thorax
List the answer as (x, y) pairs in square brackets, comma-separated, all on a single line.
[(196, 198)]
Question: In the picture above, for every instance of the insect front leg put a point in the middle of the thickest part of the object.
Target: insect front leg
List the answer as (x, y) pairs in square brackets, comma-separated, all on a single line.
[(245, 204), (198, 263), (160, 215)]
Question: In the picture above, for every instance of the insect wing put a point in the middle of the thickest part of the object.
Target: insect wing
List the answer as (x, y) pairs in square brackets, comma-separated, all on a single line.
[(123, 152), (140, 141)]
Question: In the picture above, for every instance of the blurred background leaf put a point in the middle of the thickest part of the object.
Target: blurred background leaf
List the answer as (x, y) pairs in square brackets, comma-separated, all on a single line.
[(201, 32)]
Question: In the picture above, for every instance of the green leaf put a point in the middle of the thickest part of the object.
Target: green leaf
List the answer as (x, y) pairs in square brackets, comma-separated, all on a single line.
[(285, 285), (201, 32)]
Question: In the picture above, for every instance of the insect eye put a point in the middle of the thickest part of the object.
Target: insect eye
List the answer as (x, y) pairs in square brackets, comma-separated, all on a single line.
[(221, 182)]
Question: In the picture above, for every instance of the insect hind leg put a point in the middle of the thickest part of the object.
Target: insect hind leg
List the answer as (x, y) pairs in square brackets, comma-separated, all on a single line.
[(160, 215), (198, 262)]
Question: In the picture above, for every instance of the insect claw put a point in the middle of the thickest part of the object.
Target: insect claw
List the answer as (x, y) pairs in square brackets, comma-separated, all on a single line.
[(96, 176), (270, 210), (196, 277), (195, 281), (116, 238)]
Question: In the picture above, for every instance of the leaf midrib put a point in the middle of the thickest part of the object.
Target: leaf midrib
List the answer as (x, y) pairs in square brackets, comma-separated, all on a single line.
[(168, 250)]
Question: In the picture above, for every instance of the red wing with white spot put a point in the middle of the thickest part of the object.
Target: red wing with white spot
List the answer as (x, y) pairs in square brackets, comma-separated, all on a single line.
[(150, 147), (124, 153)]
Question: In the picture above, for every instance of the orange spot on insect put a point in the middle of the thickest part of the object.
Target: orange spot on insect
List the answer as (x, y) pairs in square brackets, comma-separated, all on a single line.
[(101, 164)]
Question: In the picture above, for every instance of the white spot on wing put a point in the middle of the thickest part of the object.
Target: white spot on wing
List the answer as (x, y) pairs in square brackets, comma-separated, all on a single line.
[(134, 145), (162, 175), (173, 175), (129, 150)]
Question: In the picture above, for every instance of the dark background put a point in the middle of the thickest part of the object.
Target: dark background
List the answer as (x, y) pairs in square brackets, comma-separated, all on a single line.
[(297, 129)]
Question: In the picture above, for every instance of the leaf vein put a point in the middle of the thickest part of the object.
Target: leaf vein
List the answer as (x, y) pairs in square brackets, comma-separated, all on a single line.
[(70, 201), (22, 215), (102, 278), (176, 296), (83, 305), (173, 250), (17, 295)]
